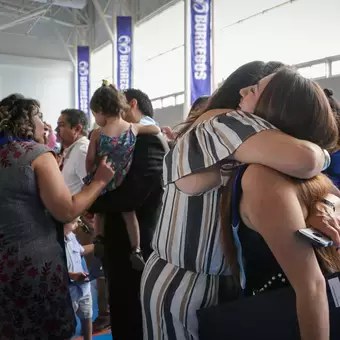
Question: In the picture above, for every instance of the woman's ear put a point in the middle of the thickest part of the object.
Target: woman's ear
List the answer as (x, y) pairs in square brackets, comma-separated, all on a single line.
[(133, 103)]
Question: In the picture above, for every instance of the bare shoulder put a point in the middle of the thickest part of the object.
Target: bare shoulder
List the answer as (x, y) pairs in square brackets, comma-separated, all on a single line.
[(262, 180), (44, 160), (95, 133)]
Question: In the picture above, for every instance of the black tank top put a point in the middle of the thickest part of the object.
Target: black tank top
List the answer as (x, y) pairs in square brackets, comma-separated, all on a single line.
[(261, 269)]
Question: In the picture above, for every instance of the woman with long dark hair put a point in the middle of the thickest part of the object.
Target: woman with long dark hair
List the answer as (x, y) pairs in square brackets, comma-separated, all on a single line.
[(188, 270), (272, 207)]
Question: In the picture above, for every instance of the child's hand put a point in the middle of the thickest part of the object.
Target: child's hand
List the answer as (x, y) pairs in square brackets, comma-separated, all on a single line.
[(78, 277)]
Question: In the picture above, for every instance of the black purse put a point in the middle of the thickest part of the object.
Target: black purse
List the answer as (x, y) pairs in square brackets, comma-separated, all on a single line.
[(266, 316)]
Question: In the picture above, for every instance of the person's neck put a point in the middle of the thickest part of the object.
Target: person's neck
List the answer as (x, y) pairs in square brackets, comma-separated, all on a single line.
[(67, 146), (139, 117)]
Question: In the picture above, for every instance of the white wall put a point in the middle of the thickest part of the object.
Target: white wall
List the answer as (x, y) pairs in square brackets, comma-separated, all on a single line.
[(294, 33), (101, 66), (49, 81), (159, 53)]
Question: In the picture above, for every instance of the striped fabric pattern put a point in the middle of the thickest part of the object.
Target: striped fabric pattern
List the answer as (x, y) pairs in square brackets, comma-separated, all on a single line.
[(184, 273), (188, 234)]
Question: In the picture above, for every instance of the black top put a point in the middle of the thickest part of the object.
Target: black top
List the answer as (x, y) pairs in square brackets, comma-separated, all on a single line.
[(141, 192), (262, 271)]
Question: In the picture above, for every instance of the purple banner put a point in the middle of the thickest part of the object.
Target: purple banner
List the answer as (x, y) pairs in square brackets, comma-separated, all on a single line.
[(124, 55), (84, 79), (200, 48)]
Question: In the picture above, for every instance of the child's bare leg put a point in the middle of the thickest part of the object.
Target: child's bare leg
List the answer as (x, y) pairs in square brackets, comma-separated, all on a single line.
[(132, 227), (98, 225)]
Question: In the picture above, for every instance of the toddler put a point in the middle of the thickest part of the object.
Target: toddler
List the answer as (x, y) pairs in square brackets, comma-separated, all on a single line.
[(80, 288), (115, 139)]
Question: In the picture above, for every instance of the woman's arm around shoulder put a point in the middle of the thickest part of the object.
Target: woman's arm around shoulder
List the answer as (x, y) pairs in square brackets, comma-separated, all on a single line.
[(270, 205), (245, 138), (140, 129), (291, 156)]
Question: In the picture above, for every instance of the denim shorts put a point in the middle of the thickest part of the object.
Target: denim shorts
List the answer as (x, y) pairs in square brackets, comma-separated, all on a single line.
[(83, 307)]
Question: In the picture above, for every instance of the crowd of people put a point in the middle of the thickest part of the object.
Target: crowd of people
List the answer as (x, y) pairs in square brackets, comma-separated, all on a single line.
[(173, 221)]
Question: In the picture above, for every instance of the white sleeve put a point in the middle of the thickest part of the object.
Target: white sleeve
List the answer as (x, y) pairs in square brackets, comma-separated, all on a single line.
[(81, 162)]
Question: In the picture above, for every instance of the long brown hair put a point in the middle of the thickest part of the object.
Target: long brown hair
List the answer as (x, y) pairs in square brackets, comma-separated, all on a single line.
[(227, 96), (296, 106)]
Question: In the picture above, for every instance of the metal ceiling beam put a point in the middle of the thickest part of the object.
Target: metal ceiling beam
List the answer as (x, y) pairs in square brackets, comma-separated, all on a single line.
[(79, 14), (37, 20), (65, 45), (101, 14), (22, 19), (19, 10)]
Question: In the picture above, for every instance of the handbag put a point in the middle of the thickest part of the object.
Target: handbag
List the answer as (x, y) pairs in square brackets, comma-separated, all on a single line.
[(266, 316)]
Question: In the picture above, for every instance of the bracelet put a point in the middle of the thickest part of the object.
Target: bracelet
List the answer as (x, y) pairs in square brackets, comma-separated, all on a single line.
[(327, 160), (329, 203), (99, 239)]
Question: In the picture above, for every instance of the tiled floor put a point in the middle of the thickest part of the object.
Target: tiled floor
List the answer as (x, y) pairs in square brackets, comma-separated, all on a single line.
[(102, 336)]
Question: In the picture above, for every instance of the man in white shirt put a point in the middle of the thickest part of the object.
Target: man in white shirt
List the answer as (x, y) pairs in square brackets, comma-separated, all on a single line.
[(72, 133)]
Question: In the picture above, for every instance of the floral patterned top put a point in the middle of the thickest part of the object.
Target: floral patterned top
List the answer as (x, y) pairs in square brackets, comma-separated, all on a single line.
[(119, 151), (34, 299)]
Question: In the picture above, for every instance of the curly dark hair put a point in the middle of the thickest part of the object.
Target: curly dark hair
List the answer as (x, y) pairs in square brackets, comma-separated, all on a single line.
[(109, 101), (17, 116), (143, 101)]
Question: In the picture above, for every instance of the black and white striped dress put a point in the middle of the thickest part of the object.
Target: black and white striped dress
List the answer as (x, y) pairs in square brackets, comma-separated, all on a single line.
[(186, 270)]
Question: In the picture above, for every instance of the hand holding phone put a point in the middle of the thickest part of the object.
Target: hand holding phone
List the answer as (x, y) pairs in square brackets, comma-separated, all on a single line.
[(317, 239)]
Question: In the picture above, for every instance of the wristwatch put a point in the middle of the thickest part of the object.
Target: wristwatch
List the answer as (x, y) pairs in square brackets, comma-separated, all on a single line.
[(329, 203), (327, 160), (99, 239)]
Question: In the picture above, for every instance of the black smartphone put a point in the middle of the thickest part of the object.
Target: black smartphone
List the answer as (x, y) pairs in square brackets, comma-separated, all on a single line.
[(315, 237)]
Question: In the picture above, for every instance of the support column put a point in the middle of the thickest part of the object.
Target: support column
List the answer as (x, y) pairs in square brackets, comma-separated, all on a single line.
[(187, 59), (133, 54), (75, 53), (213, 47)]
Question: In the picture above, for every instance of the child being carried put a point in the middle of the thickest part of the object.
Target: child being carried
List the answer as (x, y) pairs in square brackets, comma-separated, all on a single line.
[(115, 139)]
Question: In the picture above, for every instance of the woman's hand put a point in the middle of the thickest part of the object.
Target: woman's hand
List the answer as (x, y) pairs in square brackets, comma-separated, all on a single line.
[(78, 277), (168, 132), (104, 172), (324, 219)]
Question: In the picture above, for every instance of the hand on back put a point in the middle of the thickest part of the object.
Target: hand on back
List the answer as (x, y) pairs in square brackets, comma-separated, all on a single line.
[(104, 172)]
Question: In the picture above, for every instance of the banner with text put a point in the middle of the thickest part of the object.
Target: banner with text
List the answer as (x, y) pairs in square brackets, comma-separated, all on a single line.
[(200, 48), (84, 79), (124, 55)]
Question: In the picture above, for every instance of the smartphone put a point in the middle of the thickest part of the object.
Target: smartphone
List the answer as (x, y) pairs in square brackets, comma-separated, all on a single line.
[(315, 237)]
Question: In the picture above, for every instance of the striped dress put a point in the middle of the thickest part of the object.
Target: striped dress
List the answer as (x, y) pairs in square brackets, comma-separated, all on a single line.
[(187, 270)]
